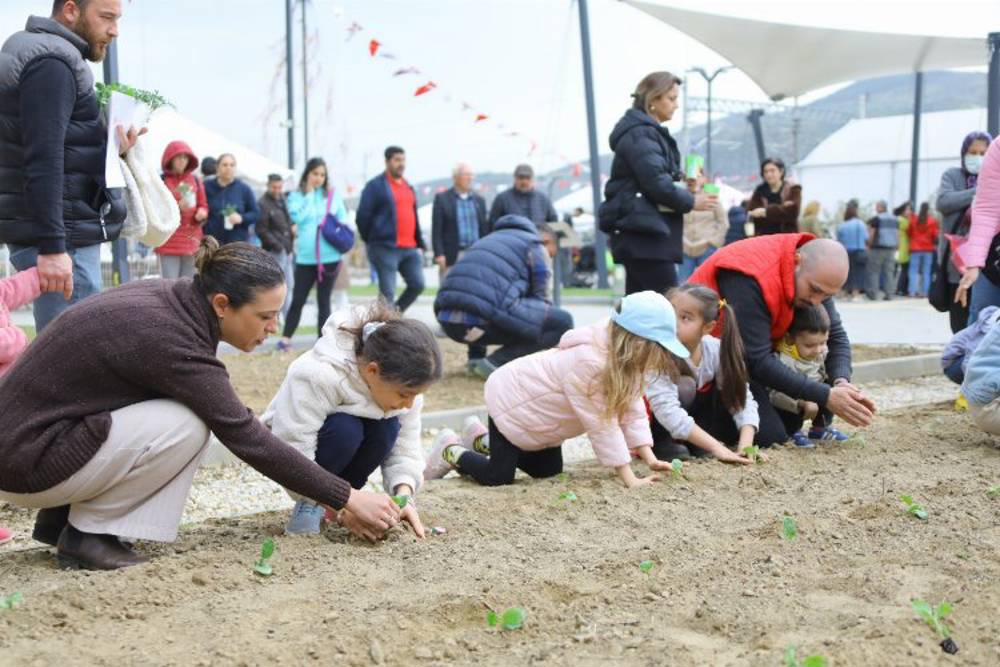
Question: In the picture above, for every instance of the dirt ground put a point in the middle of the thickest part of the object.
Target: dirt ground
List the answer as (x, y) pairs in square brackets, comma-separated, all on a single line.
[(258, 376), (725, 587)]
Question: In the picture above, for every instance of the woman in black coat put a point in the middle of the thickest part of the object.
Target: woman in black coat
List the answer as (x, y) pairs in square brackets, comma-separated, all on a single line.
[(646, 198)]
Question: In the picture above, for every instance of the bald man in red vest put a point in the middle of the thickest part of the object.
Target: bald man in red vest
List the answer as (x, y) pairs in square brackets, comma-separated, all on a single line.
[(764, 279)]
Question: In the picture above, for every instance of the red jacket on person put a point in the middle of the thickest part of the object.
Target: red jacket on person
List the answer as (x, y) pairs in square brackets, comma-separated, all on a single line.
[(923, 238), (769, 260), (188, 236)]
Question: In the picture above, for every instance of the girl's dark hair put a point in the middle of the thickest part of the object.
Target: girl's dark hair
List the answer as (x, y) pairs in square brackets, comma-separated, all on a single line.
[(898, 211), (404, 349), (813, 319), (776, 161), (315, 163), (238, 270), (924, 211), (208, 166), (733, 374), (851, 210), (652, 86)]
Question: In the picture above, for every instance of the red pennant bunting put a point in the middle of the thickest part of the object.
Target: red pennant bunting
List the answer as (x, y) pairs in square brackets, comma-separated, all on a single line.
[(481, 117), (424, 89), (373, 46), (577, 169), (534, 147)]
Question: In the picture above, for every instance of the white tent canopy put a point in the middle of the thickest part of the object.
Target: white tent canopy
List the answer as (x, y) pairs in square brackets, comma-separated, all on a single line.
[(811, 57), (168, 125)]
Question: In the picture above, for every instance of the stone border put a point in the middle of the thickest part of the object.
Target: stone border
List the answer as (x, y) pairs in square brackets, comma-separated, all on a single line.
[(893, 368)]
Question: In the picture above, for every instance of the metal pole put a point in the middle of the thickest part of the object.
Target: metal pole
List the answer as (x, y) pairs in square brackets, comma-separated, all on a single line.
[(290, 89), (915, 157), (708, 133), (993, 85), (305, 86), (595, 159), (120, 273)]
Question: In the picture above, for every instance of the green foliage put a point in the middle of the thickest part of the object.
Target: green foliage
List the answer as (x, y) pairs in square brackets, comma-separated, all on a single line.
[(912, 507), (11, 601), (492, 619), (788, 528), (513, 618), (646, 565), (228, 210), (152, 99), (677, 469), (934, 616), (568, 495), (792, 660), (401, 501), (993, 491), (262, 566), (753, 453)]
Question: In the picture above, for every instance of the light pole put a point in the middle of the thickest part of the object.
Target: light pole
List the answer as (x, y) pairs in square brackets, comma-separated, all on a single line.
[(305, 86), (290, 87), (709, 78), (595, 159)]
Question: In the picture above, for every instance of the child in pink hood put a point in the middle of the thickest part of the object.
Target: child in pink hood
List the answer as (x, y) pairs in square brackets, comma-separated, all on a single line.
[(592, 383), (16, 291)]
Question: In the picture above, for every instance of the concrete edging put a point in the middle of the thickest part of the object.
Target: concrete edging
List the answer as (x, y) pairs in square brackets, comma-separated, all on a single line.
[(897, 368)]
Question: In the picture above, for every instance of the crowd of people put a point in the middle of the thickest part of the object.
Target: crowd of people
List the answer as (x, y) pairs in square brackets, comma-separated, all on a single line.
[(110, 409)]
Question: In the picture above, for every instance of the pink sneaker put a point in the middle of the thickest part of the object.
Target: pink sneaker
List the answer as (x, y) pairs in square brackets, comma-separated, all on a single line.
[(6, 535), (472, 431), (437, 466)]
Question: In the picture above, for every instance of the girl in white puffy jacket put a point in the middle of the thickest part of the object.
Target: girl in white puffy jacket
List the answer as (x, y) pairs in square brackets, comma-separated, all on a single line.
[(353, 402)]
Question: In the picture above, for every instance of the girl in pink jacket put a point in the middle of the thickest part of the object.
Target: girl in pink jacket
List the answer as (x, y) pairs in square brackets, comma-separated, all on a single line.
[(592, 383), (16, 291)]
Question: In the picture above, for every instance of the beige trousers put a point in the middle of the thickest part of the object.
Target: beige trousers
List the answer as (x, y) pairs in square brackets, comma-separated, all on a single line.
[(987, 417), (137, 483)]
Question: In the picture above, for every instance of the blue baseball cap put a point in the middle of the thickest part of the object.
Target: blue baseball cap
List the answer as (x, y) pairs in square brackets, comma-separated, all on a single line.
[(649, 315)]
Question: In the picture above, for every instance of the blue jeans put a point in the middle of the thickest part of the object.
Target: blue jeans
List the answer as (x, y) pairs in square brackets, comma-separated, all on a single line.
[(920, 266), (353, 447), (689, 264), (387, 260), (954, 372), (86, 280), (983, 294)]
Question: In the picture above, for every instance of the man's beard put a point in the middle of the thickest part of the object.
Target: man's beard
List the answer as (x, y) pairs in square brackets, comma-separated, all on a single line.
[(96, 48)]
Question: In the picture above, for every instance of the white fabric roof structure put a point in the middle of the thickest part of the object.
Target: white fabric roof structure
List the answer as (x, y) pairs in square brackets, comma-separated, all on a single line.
[(811, 57), (166, 125)]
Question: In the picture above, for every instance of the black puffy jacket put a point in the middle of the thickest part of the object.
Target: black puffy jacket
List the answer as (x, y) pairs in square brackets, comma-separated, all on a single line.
[(645, 198)]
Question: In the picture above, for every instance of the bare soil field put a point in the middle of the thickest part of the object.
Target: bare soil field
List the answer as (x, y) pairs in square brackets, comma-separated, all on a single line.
[(725, 587)]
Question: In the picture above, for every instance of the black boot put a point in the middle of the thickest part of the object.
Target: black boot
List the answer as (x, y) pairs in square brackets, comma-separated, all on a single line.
[(49, 524), (78, 550)]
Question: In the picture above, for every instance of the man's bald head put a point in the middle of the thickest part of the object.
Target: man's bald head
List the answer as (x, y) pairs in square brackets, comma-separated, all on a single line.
[(821, 271)]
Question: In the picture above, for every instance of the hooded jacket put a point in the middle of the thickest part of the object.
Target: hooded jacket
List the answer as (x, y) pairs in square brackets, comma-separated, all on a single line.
[(644, 199), (188, 236), (327, 380)]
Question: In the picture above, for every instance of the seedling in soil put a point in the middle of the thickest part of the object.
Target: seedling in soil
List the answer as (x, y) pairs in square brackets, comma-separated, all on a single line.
[(511, 619), (563, 477), (677, 469), (934, 617), (792, 660), (262, 567), (788, 528), (11, 601), (993, 491), (401, 501), (914, 508), (753, 453), (568, 496), (646, 566)]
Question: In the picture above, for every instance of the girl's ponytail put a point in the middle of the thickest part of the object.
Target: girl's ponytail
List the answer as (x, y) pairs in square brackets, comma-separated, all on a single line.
[(732, 366)]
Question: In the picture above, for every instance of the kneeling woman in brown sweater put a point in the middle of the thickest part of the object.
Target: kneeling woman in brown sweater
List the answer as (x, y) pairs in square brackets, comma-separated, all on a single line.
[(108, 413)]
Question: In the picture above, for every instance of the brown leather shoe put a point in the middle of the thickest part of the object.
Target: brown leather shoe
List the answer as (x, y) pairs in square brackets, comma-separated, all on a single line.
[(78, 550), (49, 524)]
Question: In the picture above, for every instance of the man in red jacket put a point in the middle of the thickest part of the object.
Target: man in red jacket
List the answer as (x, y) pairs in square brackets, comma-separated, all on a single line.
[(764, 279)]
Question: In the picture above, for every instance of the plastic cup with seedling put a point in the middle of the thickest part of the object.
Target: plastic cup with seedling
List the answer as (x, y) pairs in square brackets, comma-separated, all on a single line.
[(789, 530), (753, 453), (187, 194), (11, 601), (934, 617), (511, 619), (262, 566), (914, 508), (227, 213), (792, 659), (646, 565), (677, 469)]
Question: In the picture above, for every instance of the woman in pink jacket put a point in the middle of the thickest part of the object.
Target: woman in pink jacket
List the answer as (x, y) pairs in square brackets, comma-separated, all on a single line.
[(985, 227), (592, 383)]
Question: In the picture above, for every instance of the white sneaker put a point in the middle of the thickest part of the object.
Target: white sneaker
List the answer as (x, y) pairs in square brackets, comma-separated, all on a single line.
[(437, 467), (472, 430)]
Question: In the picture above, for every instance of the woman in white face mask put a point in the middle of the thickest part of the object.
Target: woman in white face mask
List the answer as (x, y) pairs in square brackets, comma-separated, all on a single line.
[(958, 188)]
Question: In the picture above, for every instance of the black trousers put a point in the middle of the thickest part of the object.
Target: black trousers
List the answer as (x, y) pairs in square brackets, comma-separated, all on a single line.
[(649, 274), (776, 426), (305, 278), (505, 458), (557, 322)]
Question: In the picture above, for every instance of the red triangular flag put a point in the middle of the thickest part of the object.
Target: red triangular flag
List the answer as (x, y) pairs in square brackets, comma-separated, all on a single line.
[(424, 89), (373, 46), (481, 117), (577, 169)]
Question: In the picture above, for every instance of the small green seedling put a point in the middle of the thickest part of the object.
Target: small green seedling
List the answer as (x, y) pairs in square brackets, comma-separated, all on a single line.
[(914, 508), (11, 601), (568, 496), (788, 528), (934, 617), (228, 210), (511, 619), (563, 477), (753, 453), (677, 469), (792, 660), (993, 491), (262, 567), (646, 566), (401, 501)]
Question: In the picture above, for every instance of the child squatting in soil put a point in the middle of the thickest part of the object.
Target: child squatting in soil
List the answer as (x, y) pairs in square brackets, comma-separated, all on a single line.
[(353, 402), (710, 403), (803, 349), (592, 383)]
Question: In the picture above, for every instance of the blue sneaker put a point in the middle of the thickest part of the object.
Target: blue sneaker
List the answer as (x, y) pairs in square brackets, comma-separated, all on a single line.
[(827, 434), (800, 440), (306, 519)]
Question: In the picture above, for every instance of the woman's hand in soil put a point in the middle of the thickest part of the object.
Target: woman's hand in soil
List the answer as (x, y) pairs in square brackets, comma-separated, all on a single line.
[(376, 511), (726, 455), (850, 405), (410, 516), (351, 522)]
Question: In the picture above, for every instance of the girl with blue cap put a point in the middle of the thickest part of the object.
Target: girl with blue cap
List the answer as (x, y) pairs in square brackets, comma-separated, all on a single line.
[(591, 383)]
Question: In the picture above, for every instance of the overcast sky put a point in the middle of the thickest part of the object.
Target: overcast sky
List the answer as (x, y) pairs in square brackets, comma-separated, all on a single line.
[(517, 61)]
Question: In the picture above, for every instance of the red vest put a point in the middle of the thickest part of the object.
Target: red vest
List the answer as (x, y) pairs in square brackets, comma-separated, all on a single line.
[(770, 260)]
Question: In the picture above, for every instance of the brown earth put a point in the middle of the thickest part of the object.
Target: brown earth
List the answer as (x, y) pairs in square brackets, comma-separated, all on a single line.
[(725, 588)]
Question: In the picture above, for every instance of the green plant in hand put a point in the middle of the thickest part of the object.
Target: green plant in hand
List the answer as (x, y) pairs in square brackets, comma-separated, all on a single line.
[(788, 528), (228, 210), (934, 617), (401, 501), (262, 566), (151, 98), (11, 601), (792, 660), (753, 453), (912, 507)]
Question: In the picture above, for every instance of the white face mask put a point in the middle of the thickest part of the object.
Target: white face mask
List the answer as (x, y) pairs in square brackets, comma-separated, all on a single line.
[(973, 163)]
